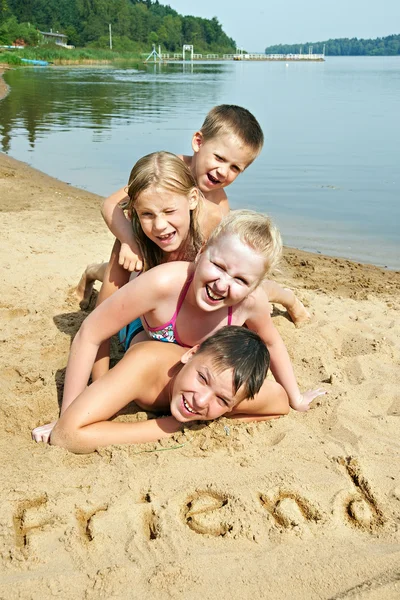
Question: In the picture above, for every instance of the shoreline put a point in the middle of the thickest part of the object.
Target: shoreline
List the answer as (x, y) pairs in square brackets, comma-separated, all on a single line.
[(4, 88), (277, 497)]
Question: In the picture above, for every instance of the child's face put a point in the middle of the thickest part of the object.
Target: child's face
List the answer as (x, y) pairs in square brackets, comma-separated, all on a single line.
[(217, 162), (165, 216), (226, 273), (199, 392)]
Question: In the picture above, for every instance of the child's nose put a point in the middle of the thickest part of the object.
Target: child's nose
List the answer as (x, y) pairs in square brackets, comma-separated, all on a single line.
[(222, 171), (223, 282), (159, 223), (202, 399)]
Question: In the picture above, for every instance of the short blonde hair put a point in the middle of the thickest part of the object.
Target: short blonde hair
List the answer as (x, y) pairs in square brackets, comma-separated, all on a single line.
[(236, 120), (166, 171), (256, 231)]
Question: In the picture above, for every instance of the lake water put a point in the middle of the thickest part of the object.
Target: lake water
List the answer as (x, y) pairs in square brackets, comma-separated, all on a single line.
[(328, 174)]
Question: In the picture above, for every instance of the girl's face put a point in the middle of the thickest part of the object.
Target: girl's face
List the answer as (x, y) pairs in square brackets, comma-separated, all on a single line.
[(165, 216), (226, 273)]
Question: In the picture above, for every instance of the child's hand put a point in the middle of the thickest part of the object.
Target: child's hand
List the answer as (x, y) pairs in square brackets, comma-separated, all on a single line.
[(303, 403), (129, 259), (42, 433)]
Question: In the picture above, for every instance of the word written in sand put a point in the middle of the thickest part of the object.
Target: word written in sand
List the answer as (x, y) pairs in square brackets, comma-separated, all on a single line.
[(207, 512)]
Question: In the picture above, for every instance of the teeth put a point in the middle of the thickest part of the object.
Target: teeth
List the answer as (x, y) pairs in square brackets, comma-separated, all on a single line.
[(186, 405), (213, 179), (212, 295)]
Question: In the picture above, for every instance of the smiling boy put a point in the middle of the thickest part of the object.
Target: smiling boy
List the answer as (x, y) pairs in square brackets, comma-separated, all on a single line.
[(224, 376), (229, 140)]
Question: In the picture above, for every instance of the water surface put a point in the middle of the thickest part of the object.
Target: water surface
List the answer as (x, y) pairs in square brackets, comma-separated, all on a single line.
[(328, 173)]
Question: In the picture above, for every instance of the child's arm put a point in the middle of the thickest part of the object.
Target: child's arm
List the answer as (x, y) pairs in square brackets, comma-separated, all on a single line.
[(271, 402), (135, 299), (84, 427), (120, 226), (281, 367)]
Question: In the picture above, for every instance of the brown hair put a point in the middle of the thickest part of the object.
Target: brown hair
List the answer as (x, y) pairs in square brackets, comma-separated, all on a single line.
[(168, 172), (256, 231), (243, 351), (229, 118)]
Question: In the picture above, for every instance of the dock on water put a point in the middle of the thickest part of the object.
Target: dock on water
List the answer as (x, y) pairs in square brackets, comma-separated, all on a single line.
[(159, 56)]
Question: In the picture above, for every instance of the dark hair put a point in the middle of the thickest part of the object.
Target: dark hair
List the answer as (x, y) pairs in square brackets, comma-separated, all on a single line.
[(229, 118), (241, 350)]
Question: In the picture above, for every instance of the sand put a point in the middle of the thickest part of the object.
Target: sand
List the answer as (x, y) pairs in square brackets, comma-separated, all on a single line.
[(306, 507)]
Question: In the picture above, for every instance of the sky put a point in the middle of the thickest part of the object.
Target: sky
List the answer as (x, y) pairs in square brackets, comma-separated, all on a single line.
[(256, 24)]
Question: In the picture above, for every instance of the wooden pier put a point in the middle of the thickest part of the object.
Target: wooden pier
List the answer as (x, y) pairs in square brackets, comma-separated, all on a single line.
[(165, 57), (239, 55)]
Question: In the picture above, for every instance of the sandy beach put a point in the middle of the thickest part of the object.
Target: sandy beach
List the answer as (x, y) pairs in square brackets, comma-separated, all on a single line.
[(305, 507)]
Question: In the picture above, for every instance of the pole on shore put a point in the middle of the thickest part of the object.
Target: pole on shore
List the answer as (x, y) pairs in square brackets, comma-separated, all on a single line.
[(109, 28)]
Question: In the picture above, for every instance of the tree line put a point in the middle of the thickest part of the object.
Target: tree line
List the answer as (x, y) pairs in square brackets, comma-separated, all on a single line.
[(136, 25), (383, 46)]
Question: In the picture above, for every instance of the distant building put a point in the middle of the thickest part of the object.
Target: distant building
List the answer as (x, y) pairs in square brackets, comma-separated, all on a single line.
[(56, 38)]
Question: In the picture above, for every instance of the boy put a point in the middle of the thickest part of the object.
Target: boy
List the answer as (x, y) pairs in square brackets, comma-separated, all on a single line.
[(225, 375), (227, 143)]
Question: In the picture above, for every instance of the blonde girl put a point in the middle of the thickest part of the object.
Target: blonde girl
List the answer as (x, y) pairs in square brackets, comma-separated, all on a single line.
[(170, 219)]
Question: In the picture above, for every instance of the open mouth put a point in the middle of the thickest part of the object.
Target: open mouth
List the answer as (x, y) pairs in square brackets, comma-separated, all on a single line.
[(212, 179), (212, 295), (187, 407), (166, 238)]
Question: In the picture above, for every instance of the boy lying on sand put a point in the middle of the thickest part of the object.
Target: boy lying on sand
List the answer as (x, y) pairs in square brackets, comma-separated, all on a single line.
[(225, 375)]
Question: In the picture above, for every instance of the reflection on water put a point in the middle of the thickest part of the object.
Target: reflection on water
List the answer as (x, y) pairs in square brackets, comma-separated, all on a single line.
[(61, 98), (328, 173)]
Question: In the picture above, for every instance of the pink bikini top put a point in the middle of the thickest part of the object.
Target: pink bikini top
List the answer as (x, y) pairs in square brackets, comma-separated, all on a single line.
[(168, 332)]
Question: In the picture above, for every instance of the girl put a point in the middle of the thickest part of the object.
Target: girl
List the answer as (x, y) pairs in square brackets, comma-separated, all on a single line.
[(170, 220), (185, 303)]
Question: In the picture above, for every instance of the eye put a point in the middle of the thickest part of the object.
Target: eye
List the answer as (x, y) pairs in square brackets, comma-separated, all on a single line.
[(202, 377), (146, 215), (218, 157), (241, 280), (235, 168), (223, 401), (217, 265), (170, 211)]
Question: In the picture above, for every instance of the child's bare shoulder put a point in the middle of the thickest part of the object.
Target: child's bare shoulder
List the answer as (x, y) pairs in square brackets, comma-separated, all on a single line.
[(219, 198), (170, 275), (256, 303), (210, 217)]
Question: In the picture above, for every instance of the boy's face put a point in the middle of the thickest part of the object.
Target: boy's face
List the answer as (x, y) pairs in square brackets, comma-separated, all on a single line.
[(200, 391), (217, 162)]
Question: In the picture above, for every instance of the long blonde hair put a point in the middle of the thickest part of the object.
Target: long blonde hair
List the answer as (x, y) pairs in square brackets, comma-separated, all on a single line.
[(168, 172), (256, 231)]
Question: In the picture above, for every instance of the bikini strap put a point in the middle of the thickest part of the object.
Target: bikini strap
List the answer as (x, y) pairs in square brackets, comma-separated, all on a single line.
[(230, 315), (182, 297)]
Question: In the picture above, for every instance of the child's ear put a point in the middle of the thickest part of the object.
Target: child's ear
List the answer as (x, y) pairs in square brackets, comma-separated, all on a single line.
[(197, 141), (193, 198), (200, 252), (185, 358)]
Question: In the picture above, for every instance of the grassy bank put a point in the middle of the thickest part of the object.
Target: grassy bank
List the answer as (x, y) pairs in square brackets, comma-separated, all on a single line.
[(63, 56)]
